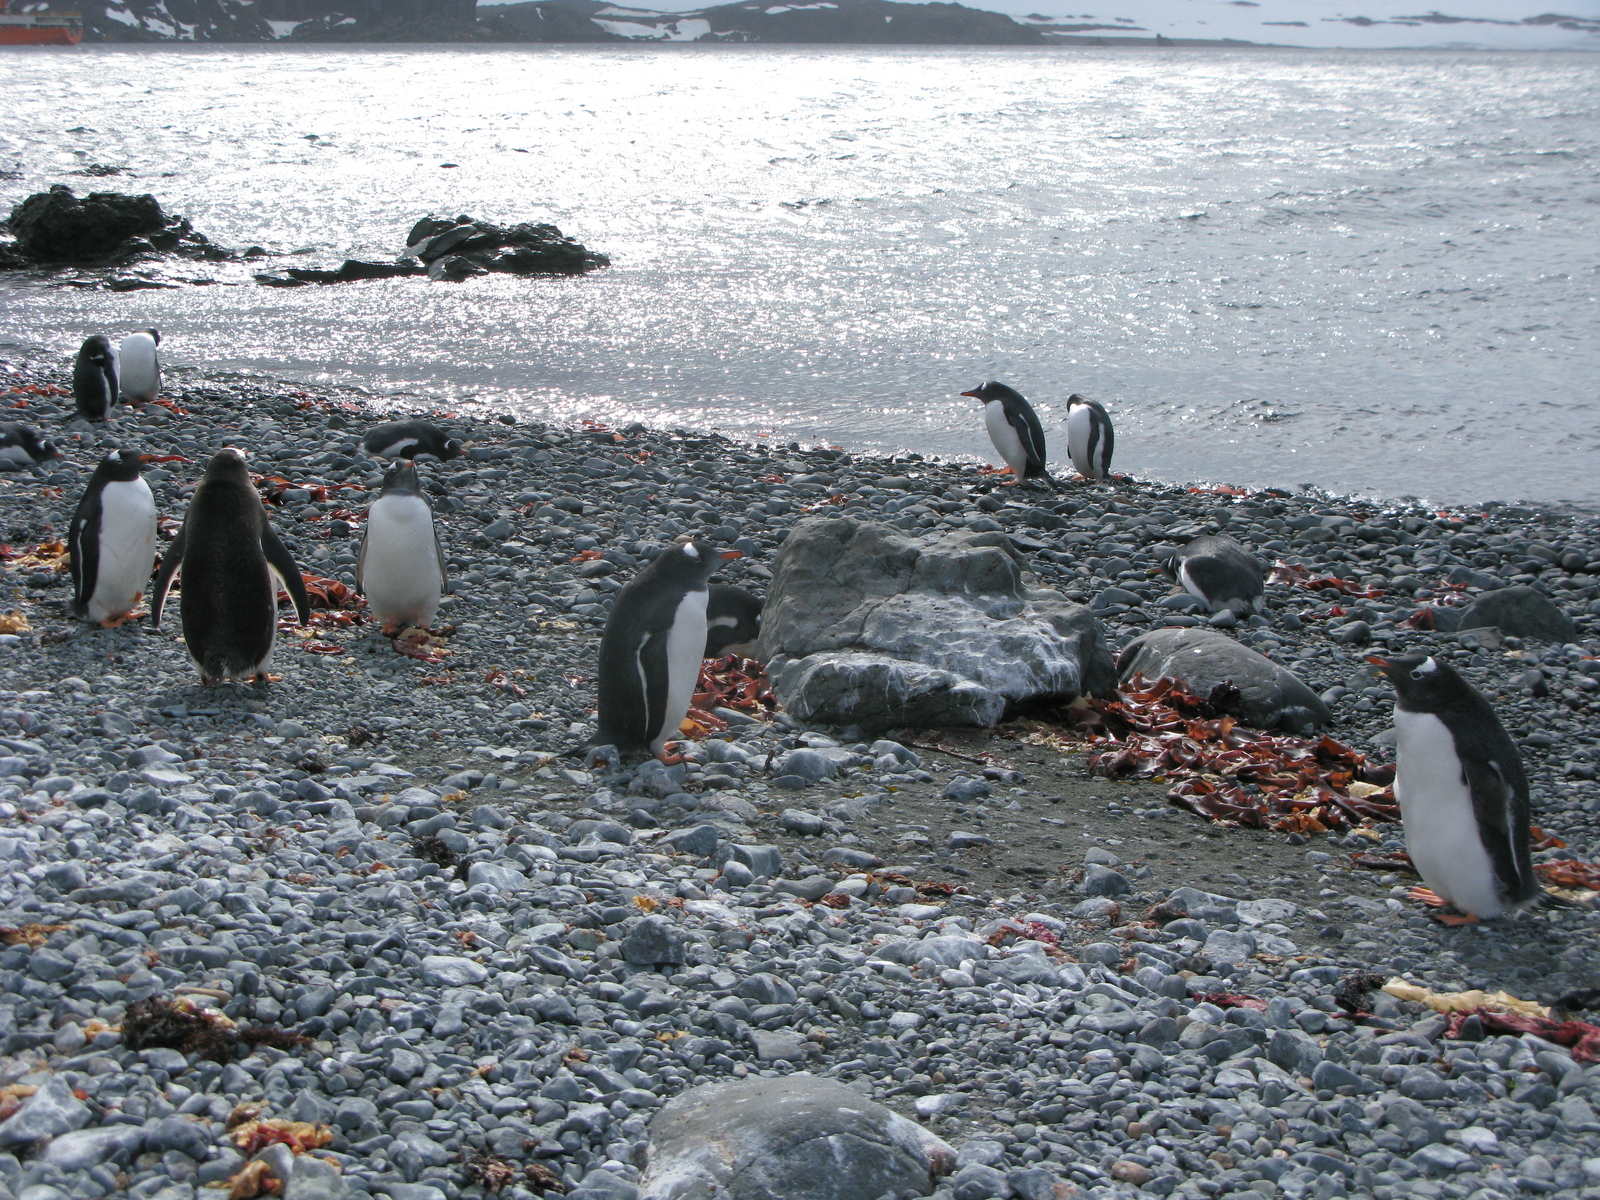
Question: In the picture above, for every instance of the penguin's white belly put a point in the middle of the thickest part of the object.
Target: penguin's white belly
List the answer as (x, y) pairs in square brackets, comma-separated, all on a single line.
[(140, 375), (127, 548), (1192, 588), (400, 562), (1005, 438), (686, 644), (1080, 428), (1436, 806)]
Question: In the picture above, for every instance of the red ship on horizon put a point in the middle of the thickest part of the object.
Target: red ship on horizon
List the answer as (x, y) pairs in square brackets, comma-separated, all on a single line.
[(40, 26)]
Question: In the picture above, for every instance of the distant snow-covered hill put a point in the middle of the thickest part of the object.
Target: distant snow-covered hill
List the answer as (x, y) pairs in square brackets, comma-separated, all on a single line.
[(1359, 24)]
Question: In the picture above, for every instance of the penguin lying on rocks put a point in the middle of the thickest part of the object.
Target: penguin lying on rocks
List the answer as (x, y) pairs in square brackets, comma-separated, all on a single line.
[(401, 568), (24, 446), (229, 555), (652, 648), (1014, 429), (1220, 573), (733, 621), (408, 439), (112, 539), (94, 378), (1462, 792)]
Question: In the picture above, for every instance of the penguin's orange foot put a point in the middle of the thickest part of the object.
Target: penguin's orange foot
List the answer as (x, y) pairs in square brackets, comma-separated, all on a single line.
[(1445, 918), (115, 622), (1427, 896), (670, 758), (265, 677), (390, 629)]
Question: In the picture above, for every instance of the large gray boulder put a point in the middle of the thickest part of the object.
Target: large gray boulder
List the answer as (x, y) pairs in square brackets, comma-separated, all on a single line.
[(797, 1137), (866, 625), (1201, 659), (1520, 612)]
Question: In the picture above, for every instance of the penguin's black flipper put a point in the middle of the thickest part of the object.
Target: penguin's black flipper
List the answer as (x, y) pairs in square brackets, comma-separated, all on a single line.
[(1031, 434), (171, 560), (444, 572), (1501, 809), (281, 561), (83, 545)]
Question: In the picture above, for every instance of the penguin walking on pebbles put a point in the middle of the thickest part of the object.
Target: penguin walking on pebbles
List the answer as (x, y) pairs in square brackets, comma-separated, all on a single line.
[(1220, 573), (141, 365), (229, 555), (24, 446), (401, 568), (94, 378), (1014, 429), (112, 539), (1090, 438), (1462, 792), (733, 621), (410, 439), (652, 647)]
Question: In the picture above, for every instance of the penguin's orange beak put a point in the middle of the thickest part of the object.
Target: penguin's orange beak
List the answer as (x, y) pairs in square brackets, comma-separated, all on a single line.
[(733, 554), (163, 458), (973, 394), (1381, 663)]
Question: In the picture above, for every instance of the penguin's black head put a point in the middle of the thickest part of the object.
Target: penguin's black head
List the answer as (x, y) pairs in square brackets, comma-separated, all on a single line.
[(451, 449), (96, 349), (155, 335), (1169, 565), (1422, 682), (123, 466), (691, 563), (401, 476), (993, 390), (31, 441), (227, 463)]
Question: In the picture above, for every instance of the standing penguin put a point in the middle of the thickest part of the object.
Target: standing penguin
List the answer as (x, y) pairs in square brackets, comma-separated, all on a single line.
[(112, 539), (1089, 436), (733, 621), (1014, 429), (94, 378), (1220, 573), (651, 650), (24, 446), (1463, 796), (141, 365), (408, 439), (228, 554), (401, 568)]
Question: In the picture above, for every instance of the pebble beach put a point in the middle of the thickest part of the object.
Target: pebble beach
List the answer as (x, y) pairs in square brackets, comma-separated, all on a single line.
[(502, 965)]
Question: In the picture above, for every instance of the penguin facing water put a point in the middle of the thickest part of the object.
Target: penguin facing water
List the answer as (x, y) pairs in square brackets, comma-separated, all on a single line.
[(94, 378), (1220, 573), (652, 647), (229, 554), (1462, 792), (401, 568), (140, 364), (1014, 429), (1090, 438), (112, 539)]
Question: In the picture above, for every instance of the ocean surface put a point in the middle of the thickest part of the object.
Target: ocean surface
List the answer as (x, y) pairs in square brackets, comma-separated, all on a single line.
[(1375, 273)]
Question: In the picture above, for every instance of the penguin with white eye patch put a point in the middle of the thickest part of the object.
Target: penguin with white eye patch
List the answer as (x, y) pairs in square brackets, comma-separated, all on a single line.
[(1462, 792), (652, 647)]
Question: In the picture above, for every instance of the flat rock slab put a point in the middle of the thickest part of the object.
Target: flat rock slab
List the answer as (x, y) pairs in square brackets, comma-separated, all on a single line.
[(867, 625), (1201, 659), (792, 1138), (1520, 612)]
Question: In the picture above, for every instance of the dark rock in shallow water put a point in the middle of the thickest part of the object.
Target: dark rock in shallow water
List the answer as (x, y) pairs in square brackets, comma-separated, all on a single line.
[(1201, 659), (791, 1138), (103, 227), (1519, 612), (868, 626), (524, 249)]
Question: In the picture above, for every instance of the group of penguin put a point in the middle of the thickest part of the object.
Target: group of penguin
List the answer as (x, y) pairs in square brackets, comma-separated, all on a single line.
[(1459, 780)]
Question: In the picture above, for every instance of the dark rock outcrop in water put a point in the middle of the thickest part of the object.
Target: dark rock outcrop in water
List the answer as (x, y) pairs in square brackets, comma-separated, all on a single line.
[(59, 228), (457, 248)]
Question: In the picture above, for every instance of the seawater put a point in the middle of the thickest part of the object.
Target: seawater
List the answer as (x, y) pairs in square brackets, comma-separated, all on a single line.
[(1376, 273)]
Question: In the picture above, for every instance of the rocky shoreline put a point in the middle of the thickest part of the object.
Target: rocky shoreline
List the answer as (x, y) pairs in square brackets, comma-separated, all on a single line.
[(503, 964)]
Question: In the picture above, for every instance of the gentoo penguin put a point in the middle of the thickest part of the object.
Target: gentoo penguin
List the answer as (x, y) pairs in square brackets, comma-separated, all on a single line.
[(94, 378), (733, 621), (112, 539), (23, 446), (1089, 436), (1014, 429), (141, 365), (651, 650), (408, 439), (1463, 796), (228, 554), (401, 569), (1220, 573)]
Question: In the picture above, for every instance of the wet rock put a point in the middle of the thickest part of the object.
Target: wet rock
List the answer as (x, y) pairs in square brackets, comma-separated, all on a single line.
[(1519, 612), (455, 249), (868, 626), (791, 1138), (103, 227), (1203, 659)]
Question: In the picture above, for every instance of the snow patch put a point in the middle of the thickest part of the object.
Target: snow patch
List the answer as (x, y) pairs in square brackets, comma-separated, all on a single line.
[(673, 31)]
